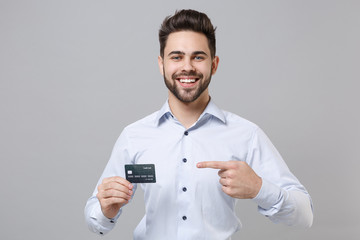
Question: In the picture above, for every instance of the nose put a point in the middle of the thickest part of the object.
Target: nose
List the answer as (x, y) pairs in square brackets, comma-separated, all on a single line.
[(187, 66)]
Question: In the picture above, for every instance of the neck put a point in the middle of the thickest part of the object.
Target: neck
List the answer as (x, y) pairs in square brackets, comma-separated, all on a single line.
[(188, 113)]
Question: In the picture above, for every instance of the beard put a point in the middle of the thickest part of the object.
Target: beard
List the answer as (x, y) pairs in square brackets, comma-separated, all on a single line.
[(191, 94)]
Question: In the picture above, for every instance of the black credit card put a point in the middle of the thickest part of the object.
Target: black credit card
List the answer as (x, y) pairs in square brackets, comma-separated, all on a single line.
[(140, 173)]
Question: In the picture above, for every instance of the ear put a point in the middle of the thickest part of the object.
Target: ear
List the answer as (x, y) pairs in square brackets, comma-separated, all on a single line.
[(161, 65), (215, 64)]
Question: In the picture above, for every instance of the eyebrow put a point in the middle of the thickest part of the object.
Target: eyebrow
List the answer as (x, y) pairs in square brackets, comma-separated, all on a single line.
[(183, 53)]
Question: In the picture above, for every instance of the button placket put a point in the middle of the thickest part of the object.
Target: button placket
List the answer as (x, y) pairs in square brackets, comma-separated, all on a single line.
[(185, 173)]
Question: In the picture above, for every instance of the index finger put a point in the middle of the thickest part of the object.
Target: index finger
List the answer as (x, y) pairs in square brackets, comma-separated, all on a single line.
[(213, 164)]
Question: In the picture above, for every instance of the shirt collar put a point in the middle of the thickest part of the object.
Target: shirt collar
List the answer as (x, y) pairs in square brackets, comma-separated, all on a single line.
[(211, 109), (163, 112)]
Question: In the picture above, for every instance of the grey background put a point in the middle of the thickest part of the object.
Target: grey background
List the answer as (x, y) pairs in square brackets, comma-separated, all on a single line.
[(75, 73)]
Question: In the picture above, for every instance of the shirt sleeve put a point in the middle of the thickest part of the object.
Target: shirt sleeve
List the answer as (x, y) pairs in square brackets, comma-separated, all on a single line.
[(94, 217), (282, 197), (96, 220)]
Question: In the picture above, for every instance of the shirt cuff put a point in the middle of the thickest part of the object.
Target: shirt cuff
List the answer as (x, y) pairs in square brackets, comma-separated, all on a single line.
[(102, 219), (269, 196), (104, 224)]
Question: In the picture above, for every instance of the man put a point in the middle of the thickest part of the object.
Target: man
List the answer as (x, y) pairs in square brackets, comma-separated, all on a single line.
[(205, 158)]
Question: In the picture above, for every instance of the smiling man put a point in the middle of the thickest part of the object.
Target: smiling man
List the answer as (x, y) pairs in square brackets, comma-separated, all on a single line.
[(204, 159), (187, 65)]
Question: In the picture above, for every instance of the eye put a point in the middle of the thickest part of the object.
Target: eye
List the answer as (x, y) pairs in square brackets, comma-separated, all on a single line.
[(198, 58), (176, 58)]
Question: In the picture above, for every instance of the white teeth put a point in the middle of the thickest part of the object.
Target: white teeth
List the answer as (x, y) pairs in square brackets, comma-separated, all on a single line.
[(187, 80)]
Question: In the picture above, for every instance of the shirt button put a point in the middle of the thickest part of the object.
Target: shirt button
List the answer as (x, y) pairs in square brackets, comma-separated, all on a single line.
[(184, 218), (184, 189), (184, 160), (101, 233), (112, 221), (186, 133)]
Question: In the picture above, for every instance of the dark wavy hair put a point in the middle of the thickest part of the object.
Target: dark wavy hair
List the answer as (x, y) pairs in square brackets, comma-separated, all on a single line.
[(187, 20)]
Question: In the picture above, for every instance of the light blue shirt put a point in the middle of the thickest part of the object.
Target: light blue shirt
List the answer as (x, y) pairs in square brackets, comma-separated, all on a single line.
[(187, 202)]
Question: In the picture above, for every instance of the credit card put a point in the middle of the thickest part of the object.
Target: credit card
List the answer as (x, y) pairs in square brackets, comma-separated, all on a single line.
[(140, 173)]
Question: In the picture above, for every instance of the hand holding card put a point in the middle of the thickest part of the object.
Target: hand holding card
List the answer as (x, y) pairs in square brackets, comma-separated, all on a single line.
[(113, 193)]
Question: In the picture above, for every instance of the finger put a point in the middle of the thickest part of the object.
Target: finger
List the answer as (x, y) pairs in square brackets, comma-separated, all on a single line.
[(109, 194), (228, 190), (111, 201), (213, 164), (224, 182), (222, 173), (118, 179), (118, 187), (114, 186), (115, 193)]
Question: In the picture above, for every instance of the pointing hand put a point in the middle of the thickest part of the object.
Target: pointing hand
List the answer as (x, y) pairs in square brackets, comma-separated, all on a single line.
[(237, 178)]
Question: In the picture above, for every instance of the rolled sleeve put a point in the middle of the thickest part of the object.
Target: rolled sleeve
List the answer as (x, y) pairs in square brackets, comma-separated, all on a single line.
[(291, 207), (270, 198)]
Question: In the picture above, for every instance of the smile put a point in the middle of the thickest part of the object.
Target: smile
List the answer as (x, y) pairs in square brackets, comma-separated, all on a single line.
[(192, 80), (187, 82)]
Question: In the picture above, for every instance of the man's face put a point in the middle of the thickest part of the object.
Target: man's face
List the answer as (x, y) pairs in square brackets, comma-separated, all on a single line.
[(187, 65)]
